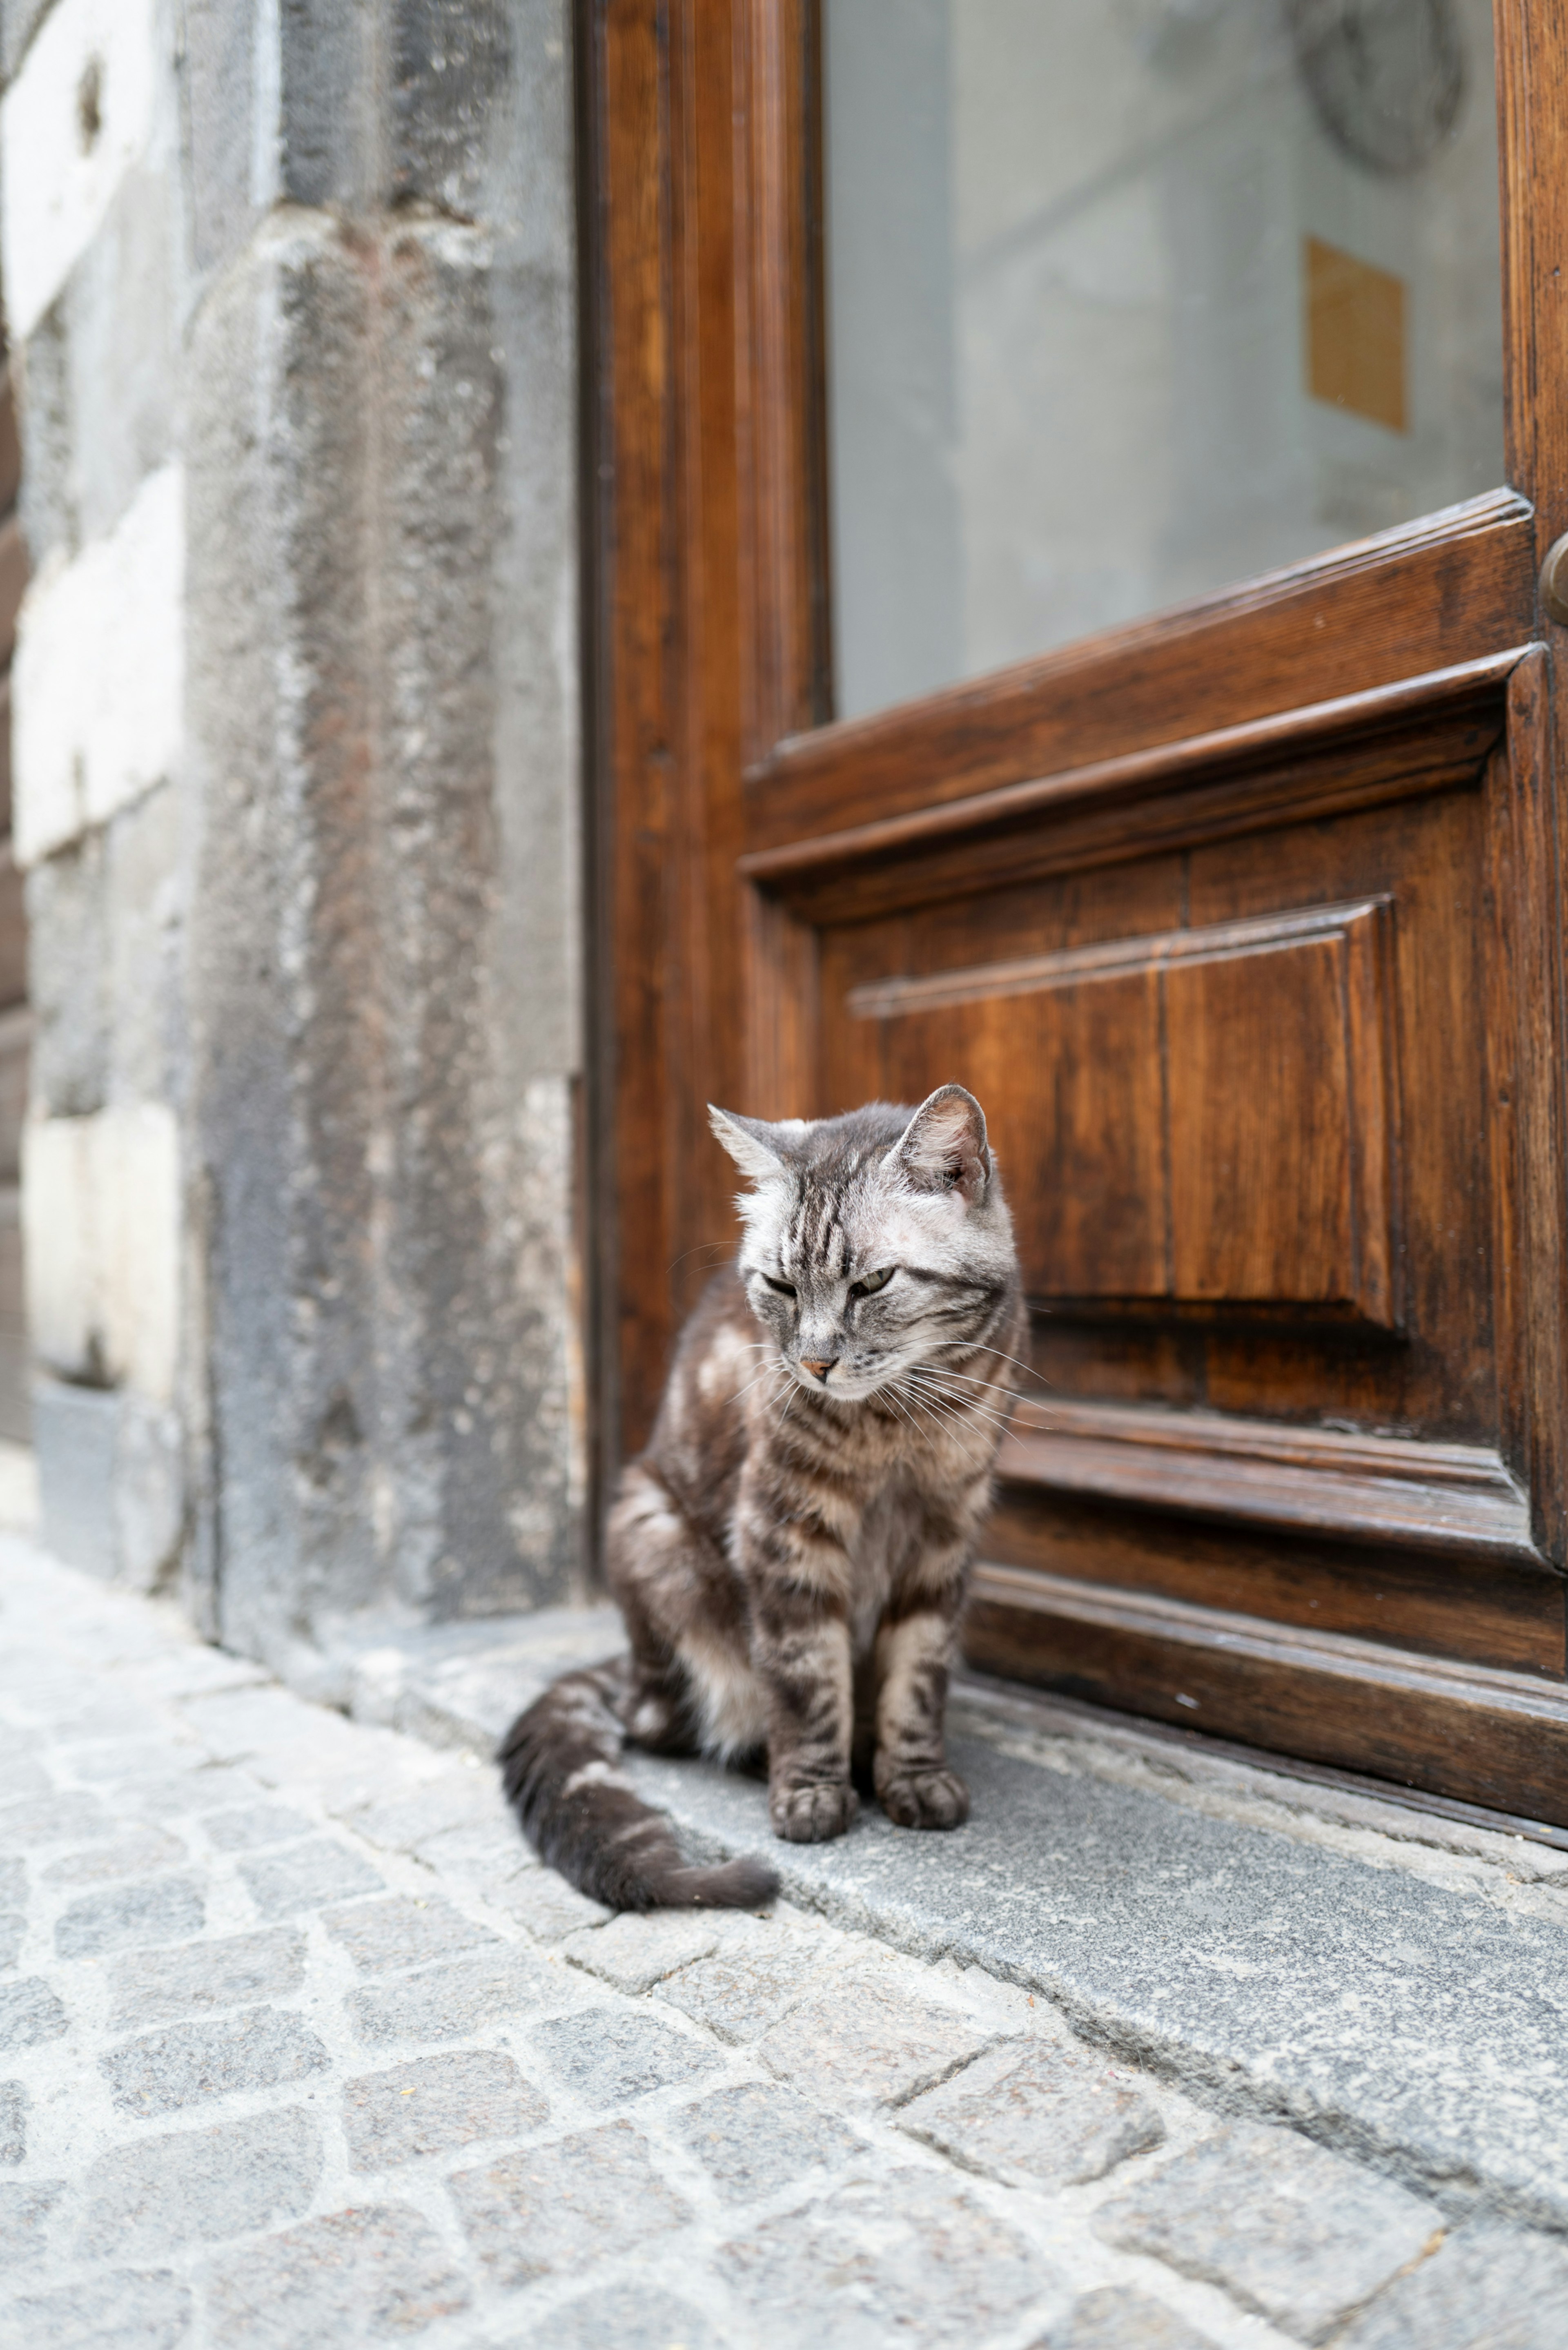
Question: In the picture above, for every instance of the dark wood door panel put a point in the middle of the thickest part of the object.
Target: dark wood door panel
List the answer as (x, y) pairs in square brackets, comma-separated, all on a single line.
[(1150, 1173), (1250, 1151), (1294, 1207)]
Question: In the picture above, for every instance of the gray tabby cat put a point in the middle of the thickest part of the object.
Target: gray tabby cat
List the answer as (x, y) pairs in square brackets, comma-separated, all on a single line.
[(790, 1551)]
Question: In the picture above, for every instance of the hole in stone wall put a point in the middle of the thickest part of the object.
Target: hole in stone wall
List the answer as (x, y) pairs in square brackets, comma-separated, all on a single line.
[(89, 104)]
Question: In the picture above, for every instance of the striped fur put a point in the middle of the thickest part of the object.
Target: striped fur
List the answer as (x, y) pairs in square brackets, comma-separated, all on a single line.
[(790, 1553)]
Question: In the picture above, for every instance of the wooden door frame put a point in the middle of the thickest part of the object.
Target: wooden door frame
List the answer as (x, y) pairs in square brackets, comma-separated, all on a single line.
[(724, 814)]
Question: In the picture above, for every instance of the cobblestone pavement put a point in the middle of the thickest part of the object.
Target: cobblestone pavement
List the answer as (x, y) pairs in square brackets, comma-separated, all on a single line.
[(299, 2047)]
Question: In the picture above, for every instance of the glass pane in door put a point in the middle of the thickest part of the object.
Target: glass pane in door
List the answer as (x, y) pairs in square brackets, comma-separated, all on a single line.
[(1128, 299)]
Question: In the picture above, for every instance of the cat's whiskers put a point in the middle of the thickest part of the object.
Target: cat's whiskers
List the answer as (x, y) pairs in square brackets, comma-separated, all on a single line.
[(958, 1402)]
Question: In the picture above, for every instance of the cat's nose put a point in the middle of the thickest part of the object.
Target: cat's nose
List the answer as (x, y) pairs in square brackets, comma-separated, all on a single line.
[(820, 1368)]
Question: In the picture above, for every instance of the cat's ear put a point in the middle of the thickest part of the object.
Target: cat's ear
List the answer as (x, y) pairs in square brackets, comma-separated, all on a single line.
[(759, 1151), (943, 1147)]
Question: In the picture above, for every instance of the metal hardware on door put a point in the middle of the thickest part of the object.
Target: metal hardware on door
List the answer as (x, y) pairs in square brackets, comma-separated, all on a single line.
[(1554, 581)]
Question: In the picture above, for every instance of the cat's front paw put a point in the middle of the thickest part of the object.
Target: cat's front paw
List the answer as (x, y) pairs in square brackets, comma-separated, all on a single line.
[(812, 1815), (926, 1799)]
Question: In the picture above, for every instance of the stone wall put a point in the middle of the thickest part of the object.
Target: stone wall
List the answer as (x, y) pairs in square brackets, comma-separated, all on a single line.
[(292, 291)]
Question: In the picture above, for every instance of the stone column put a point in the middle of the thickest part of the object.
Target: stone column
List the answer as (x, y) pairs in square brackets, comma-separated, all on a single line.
[(300, 1171)]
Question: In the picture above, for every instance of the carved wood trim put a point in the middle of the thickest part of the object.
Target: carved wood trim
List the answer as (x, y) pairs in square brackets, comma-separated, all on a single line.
[(1427, 734), (1442, 1497), (892, 999)]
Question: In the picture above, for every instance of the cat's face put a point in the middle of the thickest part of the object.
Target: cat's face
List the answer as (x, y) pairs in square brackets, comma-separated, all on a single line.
[(876, 1244)]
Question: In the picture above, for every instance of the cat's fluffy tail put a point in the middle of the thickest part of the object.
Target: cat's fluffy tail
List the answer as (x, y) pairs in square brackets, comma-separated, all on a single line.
[(583, 1816)]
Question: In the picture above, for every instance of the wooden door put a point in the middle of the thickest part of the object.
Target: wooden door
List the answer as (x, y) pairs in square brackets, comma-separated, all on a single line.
[(1244, 920)]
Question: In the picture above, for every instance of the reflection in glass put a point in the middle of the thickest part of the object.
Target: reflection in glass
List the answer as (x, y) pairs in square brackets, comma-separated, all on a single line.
[(1128, 299)]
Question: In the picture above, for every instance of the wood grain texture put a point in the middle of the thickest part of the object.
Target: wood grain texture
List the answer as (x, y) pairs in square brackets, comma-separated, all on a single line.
[(1477, 1733), (1141, 1166), (1429, 596), (1476, 1607), (1320, 761), (1440, 1497), (706, 610)]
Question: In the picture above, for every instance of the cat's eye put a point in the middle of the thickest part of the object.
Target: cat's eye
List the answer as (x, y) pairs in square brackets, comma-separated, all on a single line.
[(870, 1283), (785, 1288)]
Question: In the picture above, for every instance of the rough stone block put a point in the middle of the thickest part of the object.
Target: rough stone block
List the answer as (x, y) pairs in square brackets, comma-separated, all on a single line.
[(375, 2272), (451, 63), (607, 2057), (1059, 2116), (449, 2003), (634, 1953), (136, 1852), (1114, 2319), (52, 1819), (247, 1829), (165, 1909), (13, 2121), (631, 2317), (148, 2310), (911, 2258), (56, 193), (192, 2062), (528, 2216), (1487, 2289), (1298, 2234), (12, 1882), (307, 1877), (30, 2013), (740, 1995), (112, 623), (436, 2103), (874, 2035), (12, 1929), (546, 1904), (402, 1932), (754, 2140), (233, 1970), (200, 2186), (24, 2220)]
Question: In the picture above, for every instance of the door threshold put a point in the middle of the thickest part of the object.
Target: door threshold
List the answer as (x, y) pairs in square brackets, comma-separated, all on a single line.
[(1015, 1703)]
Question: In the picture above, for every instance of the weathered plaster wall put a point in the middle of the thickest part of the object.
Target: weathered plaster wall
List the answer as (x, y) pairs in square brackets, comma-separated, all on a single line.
[(297, 783)]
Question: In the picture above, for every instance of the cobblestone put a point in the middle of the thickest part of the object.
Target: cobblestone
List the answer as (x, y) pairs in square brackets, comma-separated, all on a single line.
[(192, 2062), (556, 2207), (211, 2184), (435, 2104), (29, 2012), (128, 2311), (874, 2035), (402, 1932), (1489, 2289), (387, 2079), (1112, 2319), (607, 2058), (1061, 2115), (307, 1877), (359, 2274), (169, 1909), (909, 2258), (1295, 2232), (452, 2001), (236, 1971)]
